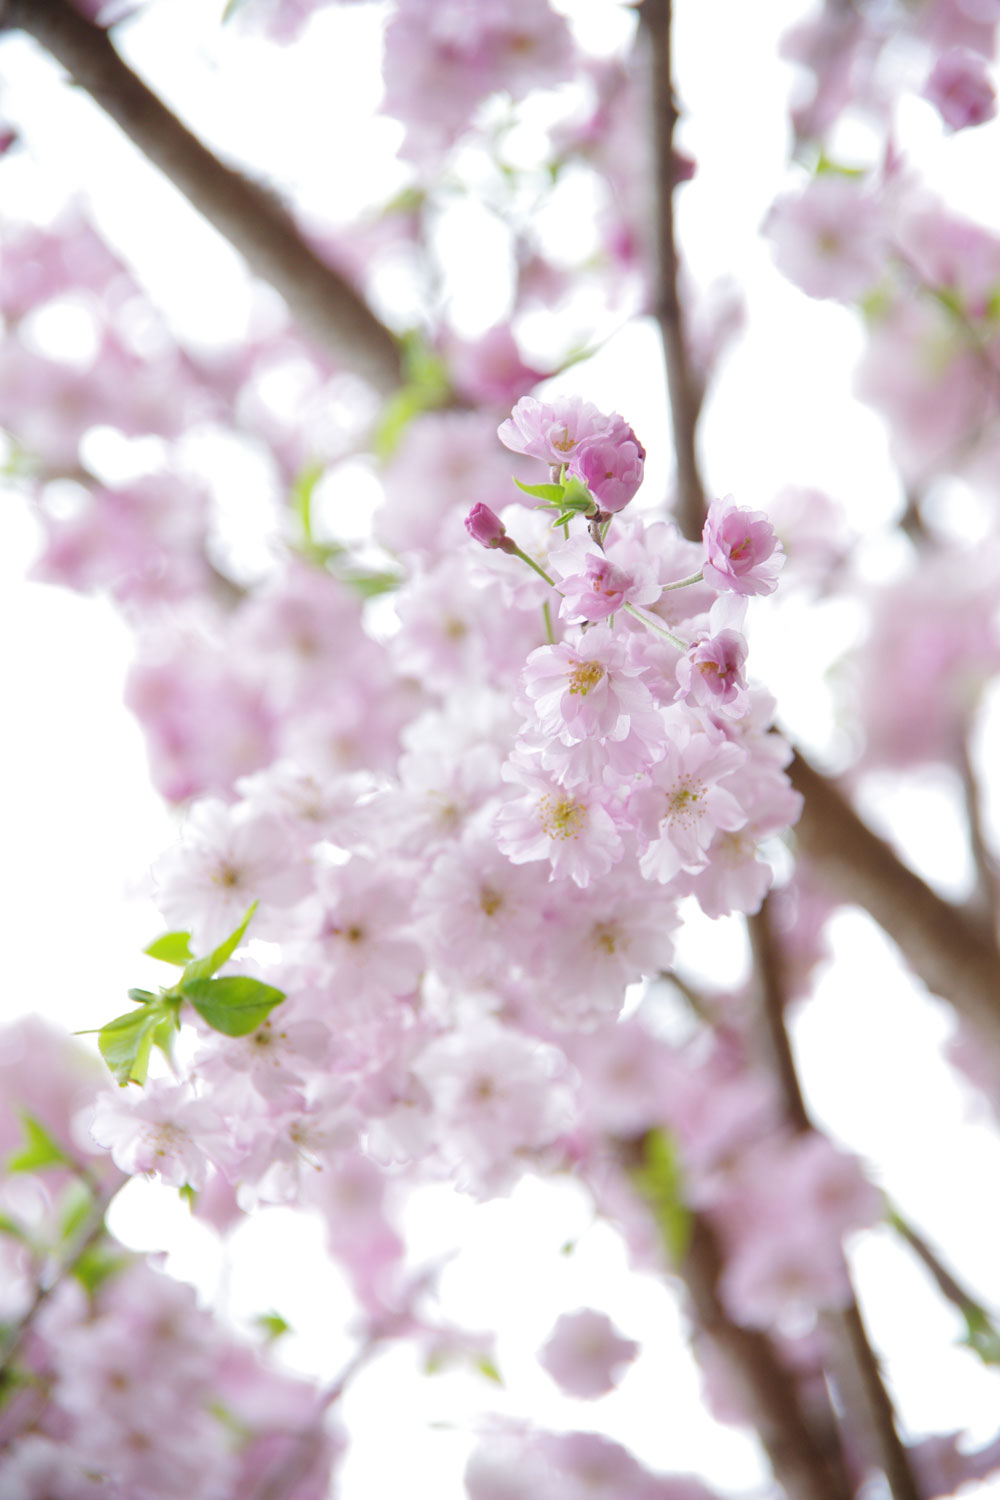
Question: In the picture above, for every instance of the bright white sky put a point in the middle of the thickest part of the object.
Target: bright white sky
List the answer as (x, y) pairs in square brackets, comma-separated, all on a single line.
[(82, 827)]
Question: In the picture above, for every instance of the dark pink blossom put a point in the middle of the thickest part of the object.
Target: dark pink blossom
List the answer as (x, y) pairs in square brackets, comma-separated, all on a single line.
[(611, 468), (959, 87), (741, 550)]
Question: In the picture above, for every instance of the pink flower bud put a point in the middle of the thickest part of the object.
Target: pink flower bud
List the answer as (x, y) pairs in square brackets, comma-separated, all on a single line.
[(960, 89), (486, 528)]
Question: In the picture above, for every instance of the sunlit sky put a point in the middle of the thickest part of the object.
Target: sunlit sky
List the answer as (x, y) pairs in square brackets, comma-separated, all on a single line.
[(82, 826)]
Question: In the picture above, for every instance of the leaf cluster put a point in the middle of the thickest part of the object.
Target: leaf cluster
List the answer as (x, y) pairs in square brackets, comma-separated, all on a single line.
[(233, 1004)]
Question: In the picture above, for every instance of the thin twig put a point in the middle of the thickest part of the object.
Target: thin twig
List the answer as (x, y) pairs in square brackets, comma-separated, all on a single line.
[(944, 1280), (986, 899), (326, 306), (43, 1291), (685, 392)]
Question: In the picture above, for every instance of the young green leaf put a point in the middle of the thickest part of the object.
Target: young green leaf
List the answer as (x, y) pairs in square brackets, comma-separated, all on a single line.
[(172, 948), (39, 1150), (552, 494), (127, 1041), (272, 1325), (204, 968), (235, 1005), (660, 1182), (578, 498), (97, 1264), (75, 1208), (486, 1367), (370, 585)]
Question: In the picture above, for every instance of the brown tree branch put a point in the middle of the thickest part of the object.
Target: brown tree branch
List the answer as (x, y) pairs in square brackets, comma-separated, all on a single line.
[(685, 390), (864, 1397), (954, 954), (327, 308), (806, 1467), (986, 899)]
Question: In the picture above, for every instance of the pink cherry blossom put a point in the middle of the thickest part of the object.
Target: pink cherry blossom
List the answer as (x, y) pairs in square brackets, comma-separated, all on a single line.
[(585, 1353), (611, 468), (683, 805), (830, 240), (574, 830), (555, 431), (163, 1130), (742, 552)]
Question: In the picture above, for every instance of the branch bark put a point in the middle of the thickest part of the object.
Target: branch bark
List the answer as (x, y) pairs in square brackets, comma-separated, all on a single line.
[(685, 391), (953, 953), (864, 1398), (327, 307), (805, 1467)]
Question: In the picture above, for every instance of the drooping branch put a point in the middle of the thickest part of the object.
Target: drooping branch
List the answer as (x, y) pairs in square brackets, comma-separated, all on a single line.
[(955, 955), (328, 309), (685, 391)]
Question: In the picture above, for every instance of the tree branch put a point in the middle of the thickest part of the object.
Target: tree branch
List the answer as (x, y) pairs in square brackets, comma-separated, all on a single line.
[(805, 1468), (328, 309), (954, 954), (685, 392), (865, 1399), (986, 898)]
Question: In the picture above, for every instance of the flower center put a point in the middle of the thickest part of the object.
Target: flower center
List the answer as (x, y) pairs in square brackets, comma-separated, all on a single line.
[(684, 802), (584, 676), (490, 900), (606, 937), (562, 819)]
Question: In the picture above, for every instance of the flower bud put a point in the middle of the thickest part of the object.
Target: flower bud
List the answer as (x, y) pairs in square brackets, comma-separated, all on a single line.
[(486, 528)]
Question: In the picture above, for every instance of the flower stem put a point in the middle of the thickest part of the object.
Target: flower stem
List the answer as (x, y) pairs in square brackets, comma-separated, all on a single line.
[(683, 583), (532, 564), (654, 625), (547, 616)]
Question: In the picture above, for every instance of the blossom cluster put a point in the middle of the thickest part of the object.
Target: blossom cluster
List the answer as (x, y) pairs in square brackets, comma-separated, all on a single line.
[(115, 1382), (452, 932)]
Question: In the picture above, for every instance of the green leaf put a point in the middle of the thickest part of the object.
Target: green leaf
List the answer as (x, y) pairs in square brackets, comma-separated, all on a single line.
[(982, 1338), (825, 167), (127, 1041), (486, 1367), (39, 1150), (13, 1229), (204, 968), (235, 1005), (427, 386), (172, 948), (75, 1208), (301, 497), (578, 498), (272, 1325), (370, 585), (143, 997), (660, 1182), (97, 1264), (552, 494)]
